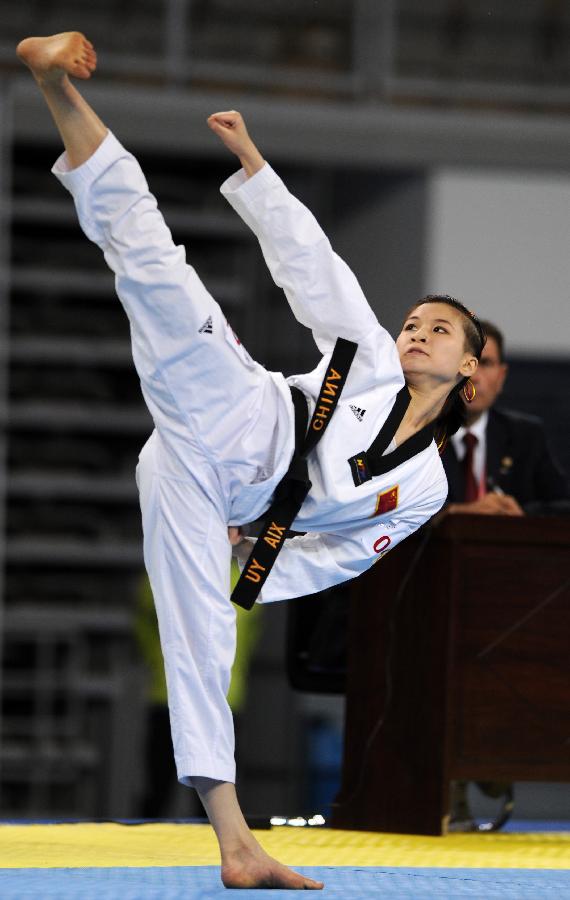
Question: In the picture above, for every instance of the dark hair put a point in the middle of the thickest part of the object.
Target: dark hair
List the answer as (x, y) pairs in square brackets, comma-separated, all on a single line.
[(491, 331), (453, 416)]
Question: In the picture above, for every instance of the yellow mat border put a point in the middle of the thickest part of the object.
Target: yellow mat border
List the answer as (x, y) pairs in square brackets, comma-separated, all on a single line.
[(105, 845)]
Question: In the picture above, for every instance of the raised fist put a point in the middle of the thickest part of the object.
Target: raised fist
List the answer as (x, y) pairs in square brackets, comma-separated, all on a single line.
[(230, 127)]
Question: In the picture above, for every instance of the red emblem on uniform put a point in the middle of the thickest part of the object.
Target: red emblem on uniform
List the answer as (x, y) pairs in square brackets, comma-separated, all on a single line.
[(387, 501)]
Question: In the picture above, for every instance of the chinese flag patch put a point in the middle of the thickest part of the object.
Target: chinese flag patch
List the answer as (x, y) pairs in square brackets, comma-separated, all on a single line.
[(387, 501)]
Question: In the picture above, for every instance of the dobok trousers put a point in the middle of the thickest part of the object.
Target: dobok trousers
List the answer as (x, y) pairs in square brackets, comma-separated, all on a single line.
[(222, 440)]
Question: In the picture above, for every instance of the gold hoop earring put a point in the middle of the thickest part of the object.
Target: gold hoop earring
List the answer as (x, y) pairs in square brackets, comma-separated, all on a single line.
[(469, 391)]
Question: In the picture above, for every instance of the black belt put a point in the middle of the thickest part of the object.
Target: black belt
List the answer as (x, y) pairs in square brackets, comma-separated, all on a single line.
[(295, 484)]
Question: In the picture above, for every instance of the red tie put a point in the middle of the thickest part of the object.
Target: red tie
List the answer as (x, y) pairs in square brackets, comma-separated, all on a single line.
[(471, 486)]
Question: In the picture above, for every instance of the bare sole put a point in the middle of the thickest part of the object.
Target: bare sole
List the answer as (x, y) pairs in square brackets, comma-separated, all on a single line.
[(68, 53)]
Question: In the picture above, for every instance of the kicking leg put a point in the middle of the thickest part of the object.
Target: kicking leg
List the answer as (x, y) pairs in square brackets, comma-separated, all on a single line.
[(198, 382), (52, 60)]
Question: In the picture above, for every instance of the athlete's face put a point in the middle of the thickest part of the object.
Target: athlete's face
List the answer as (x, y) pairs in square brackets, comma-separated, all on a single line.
[(432, 343), (488, 379)]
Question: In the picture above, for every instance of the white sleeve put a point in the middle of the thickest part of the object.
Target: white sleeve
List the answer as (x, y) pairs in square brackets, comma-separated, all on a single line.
[(312, 562), (322, 291)]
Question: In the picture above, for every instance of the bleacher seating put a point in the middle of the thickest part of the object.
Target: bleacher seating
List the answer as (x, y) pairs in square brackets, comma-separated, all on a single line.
[(293, 46)]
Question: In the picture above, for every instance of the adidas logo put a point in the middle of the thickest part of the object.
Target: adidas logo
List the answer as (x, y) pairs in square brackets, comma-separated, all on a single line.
[(359, 413), (207, 327)]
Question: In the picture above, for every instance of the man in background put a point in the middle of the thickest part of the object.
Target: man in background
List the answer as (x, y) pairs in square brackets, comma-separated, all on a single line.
[(499, 464)]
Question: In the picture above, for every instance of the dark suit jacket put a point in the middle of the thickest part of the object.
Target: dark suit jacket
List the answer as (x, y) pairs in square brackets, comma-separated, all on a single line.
[(518, 461)]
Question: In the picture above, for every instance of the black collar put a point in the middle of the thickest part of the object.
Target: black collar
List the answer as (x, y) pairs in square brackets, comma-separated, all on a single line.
[(373, 461)]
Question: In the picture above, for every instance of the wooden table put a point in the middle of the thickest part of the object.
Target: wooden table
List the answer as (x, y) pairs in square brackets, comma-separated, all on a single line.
[(459, 667)]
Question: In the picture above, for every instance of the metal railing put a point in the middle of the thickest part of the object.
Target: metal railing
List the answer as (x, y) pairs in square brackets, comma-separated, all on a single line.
[(389, 51)]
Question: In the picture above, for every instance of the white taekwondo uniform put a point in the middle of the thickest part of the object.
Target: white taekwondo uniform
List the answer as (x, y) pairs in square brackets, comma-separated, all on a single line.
[(224, 430)]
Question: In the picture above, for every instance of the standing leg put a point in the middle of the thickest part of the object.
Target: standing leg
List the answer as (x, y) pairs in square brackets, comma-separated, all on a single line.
[(52, 60)]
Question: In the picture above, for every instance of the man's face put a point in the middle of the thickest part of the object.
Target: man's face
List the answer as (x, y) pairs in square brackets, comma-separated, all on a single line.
[(488, 379)]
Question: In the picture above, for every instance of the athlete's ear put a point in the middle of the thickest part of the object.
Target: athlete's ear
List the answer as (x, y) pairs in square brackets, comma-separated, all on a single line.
[(468, 366)]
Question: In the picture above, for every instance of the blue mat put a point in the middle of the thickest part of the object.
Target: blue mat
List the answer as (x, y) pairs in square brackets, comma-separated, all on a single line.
[(523, 826), (190, 883)]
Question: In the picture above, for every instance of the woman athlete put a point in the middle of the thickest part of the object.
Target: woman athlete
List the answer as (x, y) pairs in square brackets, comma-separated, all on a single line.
[(224, 436)]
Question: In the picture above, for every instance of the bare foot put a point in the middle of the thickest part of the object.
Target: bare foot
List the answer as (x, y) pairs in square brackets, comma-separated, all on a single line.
[(51, 58), (253, 868)]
